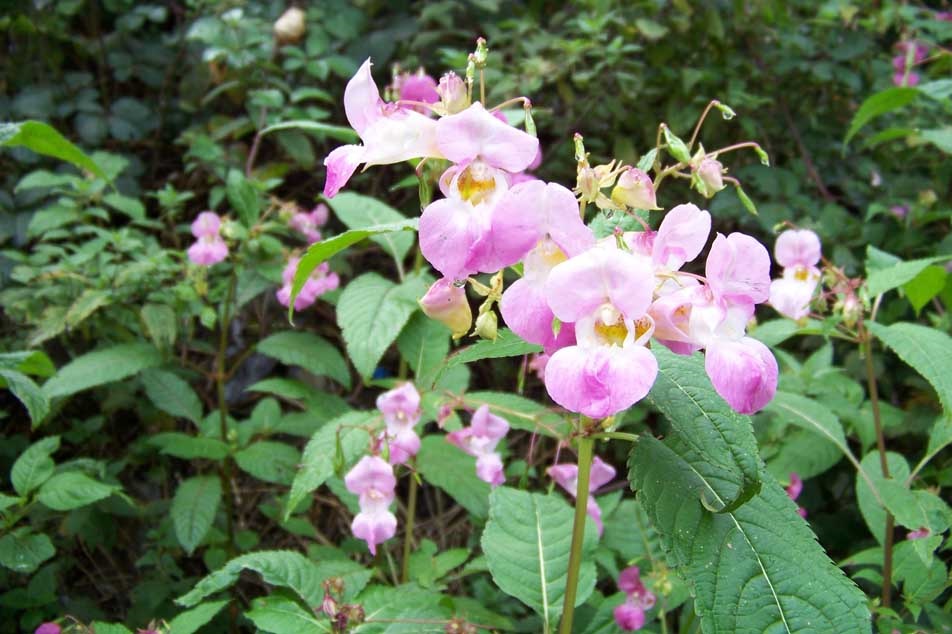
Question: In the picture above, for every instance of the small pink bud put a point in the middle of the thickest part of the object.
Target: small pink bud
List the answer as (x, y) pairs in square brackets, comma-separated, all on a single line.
[(447, 303), (452, 92), (919, 534), (708, 177), (635, 189), (329, 606), (795, 487), (290, 27)]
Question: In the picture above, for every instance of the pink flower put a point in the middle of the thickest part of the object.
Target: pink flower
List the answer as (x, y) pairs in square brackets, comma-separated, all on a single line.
[(322, 280), (708, 177), (474, 134), (390, 133), (635, 189), (899, 211), (48, 628), (680, 237), (566, 476), (417, 87), (744, 373), (629, 617), (738, 269), (793, 492), (919, 534), (480, 440), (208, 250), (798, 251), (401, 412), (373, 481), (307, 224), (452, 92), (605, 294), (537, 364), (206, 225), (798, 247), (905, 79), (446, 302)]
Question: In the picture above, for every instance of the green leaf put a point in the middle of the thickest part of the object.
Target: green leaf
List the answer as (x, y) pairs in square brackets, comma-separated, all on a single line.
[(44, 139), (282, 568), (923, 287), (405, 609), (443, 465), (172, 394), (160, 323), (939, 137), (527, 541), (318, 461), (522, 413), (109, 628), (31, 362), (85, 305), (22, 551), (72, 490), (507, 344), (191, 621), (280, 615), (29, 393), (914, 508), (180, 445), (372, 311), (424, 344), (718, 441), (243, 198), (269, 461), (102, 366), (869, 504), (877, 105), (340, 133), (321, 251), (314, 354), (129, 206), (810, 415), (927, 350), (34, 466), (887, 278), (361, 212), (193, 509), (650, 29), (756, 568)]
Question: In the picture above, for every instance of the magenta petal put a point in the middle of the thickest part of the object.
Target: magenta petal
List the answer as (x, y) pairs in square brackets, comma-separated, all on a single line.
[(578, 286), (476, 133), (403, 444), (743, 372), (374, 527), (362, 99), (738, 269), (681, 236), (629, 617), (206, 225), (595, 512), (341, 164), (526, 312), (797, 247), (489, 469), (449, 232), (629, 581), (566, 476), (600, 381)]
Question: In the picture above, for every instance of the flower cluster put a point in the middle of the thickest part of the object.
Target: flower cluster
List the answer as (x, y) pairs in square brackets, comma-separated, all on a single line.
[(308, 224), (373, 481), (630, 615), (566, 476), (798, 252), (480, 440), (209, 248), (321, 280), (401, 412), (593, 305)]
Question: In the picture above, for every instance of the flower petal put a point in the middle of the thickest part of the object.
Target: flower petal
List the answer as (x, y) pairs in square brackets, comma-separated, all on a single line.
[(797, 247), (488, 425), (475, 132), (743, 372), (374, 528), (738, 269), (362, 99), (578, 286), (449, 233), (526, 312), (681, 236), (341, 164), (370, 473)]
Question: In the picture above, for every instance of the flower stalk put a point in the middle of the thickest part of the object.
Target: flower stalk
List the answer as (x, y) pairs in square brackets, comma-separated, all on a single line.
[(585, 453)]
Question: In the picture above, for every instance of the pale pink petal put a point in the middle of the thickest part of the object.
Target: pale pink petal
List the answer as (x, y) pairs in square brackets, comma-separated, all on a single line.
[(526, 312), (208, 251), (578, 286), (449, 234), (681, 236), (600, 381), (601, 474), (370, 473), (206, 225), (418, 87), (362, 101), (341, 164), (400, 406), (743, 372), (566, 476), (462, 438), (488, 425), (672, 315), (795, 487), (446, 302), (791, 297), (399, 136), (797, 247), (489, 469), (738, 269), (374, 528), (474, 132), (403, 444), (594, 511)]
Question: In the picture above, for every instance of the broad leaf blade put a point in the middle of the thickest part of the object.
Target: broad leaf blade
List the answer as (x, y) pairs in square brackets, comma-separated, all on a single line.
[(877, 105), (927, 350), (172, 394), (100, 367), (309, 351), (193, 510), (29, 393), (361, 212), (507, 344), (44, 139)]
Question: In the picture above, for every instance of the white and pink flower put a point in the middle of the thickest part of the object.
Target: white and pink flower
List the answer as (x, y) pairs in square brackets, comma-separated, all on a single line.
[(209, 247), (566, 476), (480, 440), (373, 481)]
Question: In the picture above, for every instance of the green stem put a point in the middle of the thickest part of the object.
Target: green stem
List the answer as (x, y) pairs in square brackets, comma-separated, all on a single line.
[(225, 472), (619, 435), (408, 534), (585, 450)]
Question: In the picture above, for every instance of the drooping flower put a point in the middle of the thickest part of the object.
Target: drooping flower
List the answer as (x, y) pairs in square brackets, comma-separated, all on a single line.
[(322, 280), (794, 489), (798, 251), (601, 473), (708, 177), (630, 615), (605, 294), (635, 189), (417, 86), (373, 481), (401, 412), (309, 223), (209, 248), (480, 440), (446, 302), (48, 628), (390, 133), (452, 92)]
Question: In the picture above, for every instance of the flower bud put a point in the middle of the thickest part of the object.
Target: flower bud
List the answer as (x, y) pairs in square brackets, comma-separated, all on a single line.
[(708, 177), (447, 303), (587, 184), (486, 325), (452, 92), (290, 27), (329, 605), (635, 189), (355, 614), (852, 310)]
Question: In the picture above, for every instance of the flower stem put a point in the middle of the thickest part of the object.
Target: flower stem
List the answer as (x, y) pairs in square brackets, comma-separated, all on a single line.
[(620, 435), (585, 450), (408, 532)]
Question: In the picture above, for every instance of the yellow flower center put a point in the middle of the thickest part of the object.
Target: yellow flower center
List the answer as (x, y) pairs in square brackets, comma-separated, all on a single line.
[(476, 183)]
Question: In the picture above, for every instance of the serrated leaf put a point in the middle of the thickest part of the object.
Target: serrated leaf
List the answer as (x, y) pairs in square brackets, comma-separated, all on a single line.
[(869, 504), (405, 609), (360, 212), (883, 279), (72, 490), (877, 105), (321, 251), (757, 568), (31, 362), (718, 441), (372, 311), (318, 461), (927, 350), (243, 197), (283, 568), (191, 621), (507, 344), (181, 445), (44, 139), (172, 394), (29, 393), (85, 305), (22, 551), (269, 461), (193, 509), (923, 287), (102, 366), (309, 351), (34, 466), (160, 324), (100, 627), (424, 344), (447, 467), (280, 615), (526, 542)]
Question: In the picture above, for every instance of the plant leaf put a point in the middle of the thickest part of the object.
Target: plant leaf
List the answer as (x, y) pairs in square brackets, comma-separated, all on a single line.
[(72, 490), (29, 393), (361, 212), (102, 366), (507, 344), (34, 466), (193, 509), (309, 351), (22, 551), (424, 344), (270, 461), (926, 350), (44, 139), (172, 394), (279, 614), (443, 465), (877, 105), (191, 621)]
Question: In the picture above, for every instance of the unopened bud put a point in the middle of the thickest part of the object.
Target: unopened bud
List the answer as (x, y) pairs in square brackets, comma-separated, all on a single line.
[(459, 626), (290, 27), (852, 310), (355, 614), (481, 54), (708, 177), (447, 303), (487, 325), (334, 585), (635, 189), (587, 184), (452, 92), (329, 606)]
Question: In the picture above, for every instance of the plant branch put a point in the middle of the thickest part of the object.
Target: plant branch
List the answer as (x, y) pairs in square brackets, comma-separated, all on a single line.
[(408, 533), (585, 451)]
